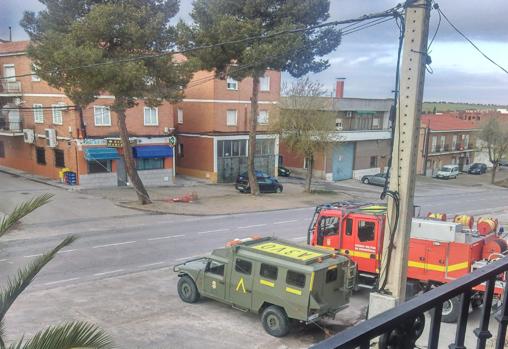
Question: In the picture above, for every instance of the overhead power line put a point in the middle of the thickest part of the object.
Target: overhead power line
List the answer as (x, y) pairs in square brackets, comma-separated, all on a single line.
[(392, 12), (436, 6)]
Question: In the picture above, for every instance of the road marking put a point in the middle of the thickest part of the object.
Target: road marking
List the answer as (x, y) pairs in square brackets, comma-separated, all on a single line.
[(284, 222), (213, 231), (116, 244), (299, 238), (108, 272), (166, 237), (151, 264), (60, 281), (3, 260), (184, 258), (67, 251), (33, 255), (252, 226)]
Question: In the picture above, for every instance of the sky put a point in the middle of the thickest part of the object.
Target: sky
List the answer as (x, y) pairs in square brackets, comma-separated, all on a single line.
[(367, 58)]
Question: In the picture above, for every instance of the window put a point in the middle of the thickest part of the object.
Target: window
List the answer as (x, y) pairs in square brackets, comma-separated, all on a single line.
[(231, 118), (373, 161), (2, 150), (366, 231), (268, 271), (151, 117), (59, 158), (264, 83), (306, 162), (375, 123), (442, 143), (35, 77), (295, 279), (38, 113), (236, 147), (265, 146), (454, 142), (466, 141), (102, 115), (328, 226), (349, 226), (40, 155), (9, 73), (180, 149), (338, 124), (57, 113), (232, 84), (243, 267), (149, 164), (434, 144), (180, 116), (263, 117), (331, 275), (215, 267), (99, 166)]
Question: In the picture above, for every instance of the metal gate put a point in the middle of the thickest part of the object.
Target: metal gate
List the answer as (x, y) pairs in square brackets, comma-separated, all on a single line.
[(343, 158)]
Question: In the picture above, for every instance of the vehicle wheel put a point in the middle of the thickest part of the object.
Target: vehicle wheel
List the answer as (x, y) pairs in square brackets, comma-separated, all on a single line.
[(187, 290), (275, 321), (366, 181), (278, 190), (451, 309)]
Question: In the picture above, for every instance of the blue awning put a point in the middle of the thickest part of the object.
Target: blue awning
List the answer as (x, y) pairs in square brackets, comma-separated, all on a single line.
[(101, 154), (153, 151)]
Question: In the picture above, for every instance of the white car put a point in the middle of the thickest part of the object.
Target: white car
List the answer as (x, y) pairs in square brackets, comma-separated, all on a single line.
[(448, 171)]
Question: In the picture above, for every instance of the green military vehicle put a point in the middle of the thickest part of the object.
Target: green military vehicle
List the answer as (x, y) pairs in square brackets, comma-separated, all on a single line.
[(278, 279)]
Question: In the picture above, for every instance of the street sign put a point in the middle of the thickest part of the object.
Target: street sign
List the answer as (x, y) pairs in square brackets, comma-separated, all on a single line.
[(172, 141)]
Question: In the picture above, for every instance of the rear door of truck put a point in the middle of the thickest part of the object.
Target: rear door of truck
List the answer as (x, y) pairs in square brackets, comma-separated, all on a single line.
[(331, 289)]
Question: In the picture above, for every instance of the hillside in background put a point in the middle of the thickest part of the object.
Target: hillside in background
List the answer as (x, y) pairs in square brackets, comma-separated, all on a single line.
[(428, 107)]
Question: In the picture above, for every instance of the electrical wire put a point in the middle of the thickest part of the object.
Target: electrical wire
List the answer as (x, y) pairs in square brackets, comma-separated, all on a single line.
[(436, 6), (437, 30), (388, 13)]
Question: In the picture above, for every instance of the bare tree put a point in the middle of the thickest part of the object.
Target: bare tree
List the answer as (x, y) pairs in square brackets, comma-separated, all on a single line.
[(303, 122), (495, 141)]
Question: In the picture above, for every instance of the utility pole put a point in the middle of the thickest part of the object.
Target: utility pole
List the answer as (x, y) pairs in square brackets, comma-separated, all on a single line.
[(394, 260)]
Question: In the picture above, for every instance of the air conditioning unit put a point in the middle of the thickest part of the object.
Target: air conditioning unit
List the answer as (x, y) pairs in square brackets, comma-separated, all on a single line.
[(349, 114), (51, 137), (28, 135), (338, 127)]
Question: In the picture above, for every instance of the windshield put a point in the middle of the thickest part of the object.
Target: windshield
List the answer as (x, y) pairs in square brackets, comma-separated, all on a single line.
[(446, 169)]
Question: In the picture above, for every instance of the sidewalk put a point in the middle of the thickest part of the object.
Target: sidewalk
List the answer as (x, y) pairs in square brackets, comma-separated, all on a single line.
[(218, 199), (39, 179)]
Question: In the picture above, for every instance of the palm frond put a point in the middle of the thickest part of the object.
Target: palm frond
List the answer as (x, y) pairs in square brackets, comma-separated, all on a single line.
[(22, 210), (26, 275), (75, 334)]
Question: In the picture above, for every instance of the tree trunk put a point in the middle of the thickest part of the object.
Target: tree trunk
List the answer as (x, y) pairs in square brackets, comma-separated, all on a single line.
[(308, 175), (493, 177), (130, 165), (254, 188)]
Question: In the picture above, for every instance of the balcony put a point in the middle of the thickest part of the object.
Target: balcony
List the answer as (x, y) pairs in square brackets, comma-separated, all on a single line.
[(10, 88), (400, 329), (451, 149), (361, 135), (11, 125)]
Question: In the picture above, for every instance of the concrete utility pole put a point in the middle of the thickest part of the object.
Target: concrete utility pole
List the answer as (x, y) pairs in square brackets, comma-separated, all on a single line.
[(402, 177)]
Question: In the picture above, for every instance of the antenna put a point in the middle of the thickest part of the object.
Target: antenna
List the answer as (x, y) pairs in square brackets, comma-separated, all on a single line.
[(10, 33)]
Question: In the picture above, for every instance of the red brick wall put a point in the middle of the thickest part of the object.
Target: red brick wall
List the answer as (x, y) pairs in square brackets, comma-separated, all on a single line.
[(198, 157)]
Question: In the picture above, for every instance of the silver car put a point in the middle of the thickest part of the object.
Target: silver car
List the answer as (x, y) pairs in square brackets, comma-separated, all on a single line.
[(378, 179)]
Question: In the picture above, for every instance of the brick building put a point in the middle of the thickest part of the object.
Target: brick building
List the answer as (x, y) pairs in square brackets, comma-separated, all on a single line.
[(445, 139), (42, 132), (361, 142), (212, 124)]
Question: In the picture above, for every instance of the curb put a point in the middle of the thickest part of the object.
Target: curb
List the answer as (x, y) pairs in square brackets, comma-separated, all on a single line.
[(36, 180)]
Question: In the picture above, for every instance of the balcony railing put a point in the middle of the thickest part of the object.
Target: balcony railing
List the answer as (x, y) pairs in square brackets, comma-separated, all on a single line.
[(448, 148), (13, 87), (11, 125), (395, 333)]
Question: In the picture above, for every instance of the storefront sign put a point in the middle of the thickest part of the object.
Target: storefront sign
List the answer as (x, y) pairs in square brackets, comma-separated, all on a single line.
[(117, 143)]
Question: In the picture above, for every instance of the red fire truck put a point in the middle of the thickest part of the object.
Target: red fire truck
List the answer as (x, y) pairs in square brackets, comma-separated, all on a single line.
[(440, 250)]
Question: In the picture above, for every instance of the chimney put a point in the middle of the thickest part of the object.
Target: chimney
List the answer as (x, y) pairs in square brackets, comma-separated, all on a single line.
[(339, 88)]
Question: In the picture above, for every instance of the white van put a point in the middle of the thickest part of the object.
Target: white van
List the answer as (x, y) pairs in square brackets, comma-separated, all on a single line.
[(448, 171)]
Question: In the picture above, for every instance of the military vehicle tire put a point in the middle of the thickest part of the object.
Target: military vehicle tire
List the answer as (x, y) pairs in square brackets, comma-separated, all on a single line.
[(187, 290), (451, 310), (275, 321)]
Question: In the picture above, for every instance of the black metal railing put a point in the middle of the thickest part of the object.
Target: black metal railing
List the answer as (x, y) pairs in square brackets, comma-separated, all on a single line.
[(10, 87), (393, 321)]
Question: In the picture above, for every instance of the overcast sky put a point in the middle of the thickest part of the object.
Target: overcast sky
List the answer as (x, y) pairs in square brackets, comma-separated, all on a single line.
[(367, 58)]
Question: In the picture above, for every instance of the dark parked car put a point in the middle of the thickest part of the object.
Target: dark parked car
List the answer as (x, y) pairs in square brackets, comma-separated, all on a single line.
[(243, 178), (266, 185), (284, 172), (379, 179), (477, 168)]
